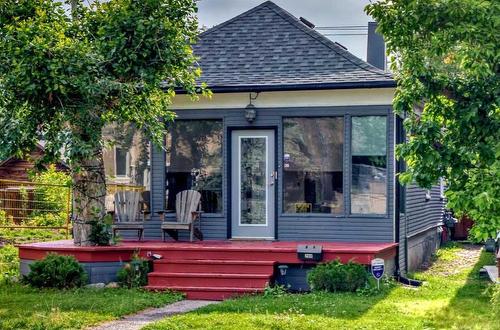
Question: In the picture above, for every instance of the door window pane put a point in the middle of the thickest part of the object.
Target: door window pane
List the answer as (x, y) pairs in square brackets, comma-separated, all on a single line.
[(194, 161), (253, 151), (369, 165), (312, 165)]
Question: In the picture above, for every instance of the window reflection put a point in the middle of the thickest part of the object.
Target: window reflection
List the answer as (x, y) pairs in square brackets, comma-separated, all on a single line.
[(312, 165), (126, 156), (369, 165), (253, 166), (194, 161)]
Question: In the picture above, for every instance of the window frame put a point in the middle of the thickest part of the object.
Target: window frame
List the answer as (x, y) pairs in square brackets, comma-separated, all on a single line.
[(350, 214), (127, 163), (281, 204), (222, 213)]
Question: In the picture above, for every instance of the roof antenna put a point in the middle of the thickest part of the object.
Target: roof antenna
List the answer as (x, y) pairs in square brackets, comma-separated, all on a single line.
[(307, 23)]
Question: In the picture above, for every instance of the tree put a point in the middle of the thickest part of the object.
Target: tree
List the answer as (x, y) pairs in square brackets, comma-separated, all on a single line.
[(64, 76), (445, 57)]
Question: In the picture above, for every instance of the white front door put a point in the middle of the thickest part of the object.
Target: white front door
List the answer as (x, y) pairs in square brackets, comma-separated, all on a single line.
[(253, 182)]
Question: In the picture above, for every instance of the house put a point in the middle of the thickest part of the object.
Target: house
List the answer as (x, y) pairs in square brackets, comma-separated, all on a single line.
[(297, 142), (14, 168), (295, 146)]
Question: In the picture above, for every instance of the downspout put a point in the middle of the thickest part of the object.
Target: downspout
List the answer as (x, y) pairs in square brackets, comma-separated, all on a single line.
[(401, 210), (397, 203)]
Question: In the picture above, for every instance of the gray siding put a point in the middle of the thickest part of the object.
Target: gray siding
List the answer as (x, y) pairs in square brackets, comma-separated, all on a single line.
[(418, 227), (423, 214), (289, 227)]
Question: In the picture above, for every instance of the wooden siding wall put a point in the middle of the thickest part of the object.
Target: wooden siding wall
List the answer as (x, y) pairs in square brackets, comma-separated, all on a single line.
[(289, 227), (422, 214)]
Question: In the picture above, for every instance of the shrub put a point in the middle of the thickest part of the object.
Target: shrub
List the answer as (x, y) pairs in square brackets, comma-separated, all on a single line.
[(134, 273), (275, 291), (9, 264), (51, 193), (100, 232), (335, 276), (56, 271)]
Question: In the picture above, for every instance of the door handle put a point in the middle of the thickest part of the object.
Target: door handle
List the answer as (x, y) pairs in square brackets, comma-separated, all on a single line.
[(274, 177)]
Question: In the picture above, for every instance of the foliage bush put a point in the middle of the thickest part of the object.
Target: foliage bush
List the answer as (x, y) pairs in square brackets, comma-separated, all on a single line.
[(9, 264), (275, 290), (51, 193), (56, 271), (100, 233), (134, 273), (335, 276), (4, 221)]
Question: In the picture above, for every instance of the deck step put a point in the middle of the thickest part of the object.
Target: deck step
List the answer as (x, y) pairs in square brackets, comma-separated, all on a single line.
[(219, 266), (225, 253), (203, 293), (209, 280)]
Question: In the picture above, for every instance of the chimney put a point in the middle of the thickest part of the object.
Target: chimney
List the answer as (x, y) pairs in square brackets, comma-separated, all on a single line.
[(375, 53)]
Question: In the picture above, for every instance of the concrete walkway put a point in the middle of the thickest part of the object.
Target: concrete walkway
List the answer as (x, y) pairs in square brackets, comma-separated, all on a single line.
[(141, 319)]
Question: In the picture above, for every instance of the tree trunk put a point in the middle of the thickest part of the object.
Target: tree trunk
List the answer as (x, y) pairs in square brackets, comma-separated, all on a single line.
[(89, 194)]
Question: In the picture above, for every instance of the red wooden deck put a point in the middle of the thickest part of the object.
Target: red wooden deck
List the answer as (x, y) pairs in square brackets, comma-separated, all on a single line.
[(211, 269)]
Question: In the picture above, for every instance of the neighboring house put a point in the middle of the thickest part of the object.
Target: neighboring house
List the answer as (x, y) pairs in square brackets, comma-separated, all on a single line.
[(297, 142), (17, 169)]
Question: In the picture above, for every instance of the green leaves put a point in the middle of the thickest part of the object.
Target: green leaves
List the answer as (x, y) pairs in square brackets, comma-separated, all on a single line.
[(447, 65), (63, 77)]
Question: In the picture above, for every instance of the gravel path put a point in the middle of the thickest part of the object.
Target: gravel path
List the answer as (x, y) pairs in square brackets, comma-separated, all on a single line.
[(141, 319)]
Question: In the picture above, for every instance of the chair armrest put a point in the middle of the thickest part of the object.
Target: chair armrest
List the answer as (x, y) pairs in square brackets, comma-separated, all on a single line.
[(162, 213), (196, 215), (145, 213)]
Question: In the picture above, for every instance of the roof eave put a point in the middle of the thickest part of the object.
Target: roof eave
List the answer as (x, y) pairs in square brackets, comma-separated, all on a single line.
[(298, 87)]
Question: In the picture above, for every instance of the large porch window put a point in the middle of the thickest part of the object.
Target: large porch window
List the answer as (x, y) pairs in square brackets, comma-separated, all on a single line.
[(369, 165), (194, 161), (126, 156), (313, 165)]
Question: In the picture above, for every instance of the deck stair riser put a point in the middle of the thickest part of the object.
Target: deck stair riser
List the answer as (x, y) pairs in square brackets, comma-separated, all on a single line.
[(284, 256), (207, 280), (218, 266), (223, 254)]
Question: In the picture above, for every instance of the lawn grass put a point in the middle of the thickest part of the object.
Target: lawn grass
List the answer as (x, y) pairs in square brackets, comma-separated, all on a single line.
[(453, 297), (23, 307)]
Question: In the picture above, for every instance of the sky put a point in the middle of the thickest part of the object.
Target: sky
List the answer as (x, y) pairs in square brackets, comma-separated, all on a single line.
[(322, 13)]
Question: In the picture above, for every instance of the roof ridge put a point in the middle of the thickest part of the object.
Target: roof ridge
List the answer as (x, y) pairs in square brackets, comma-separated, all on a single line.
[(321, 38), (243, 14)]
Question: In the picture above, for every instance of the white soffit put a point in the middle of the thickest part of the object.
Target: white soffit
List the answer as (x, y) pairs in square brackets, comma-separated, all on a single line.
[(318, 98)]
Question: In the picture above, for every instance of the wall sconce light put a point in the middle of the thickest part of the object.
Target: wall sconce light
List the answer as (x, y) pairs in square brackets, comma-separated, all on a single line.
[(250, 113), (250, 110), (283, 269)]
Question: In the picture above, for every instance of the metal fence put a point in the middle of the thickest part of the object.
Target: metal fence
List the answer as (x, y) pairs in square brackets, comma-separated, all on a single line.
[(32, 205)]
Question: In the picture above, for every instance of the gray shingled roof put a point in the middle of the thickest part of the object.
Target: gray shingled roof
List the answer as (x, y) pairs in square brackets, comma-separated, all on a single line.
[(267, 48)]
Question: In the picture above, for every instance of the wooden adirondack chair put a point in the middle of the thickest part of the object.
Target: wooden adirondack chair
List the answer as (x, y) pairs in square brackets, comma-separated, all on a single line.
[(128, 213), (187, 205)]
